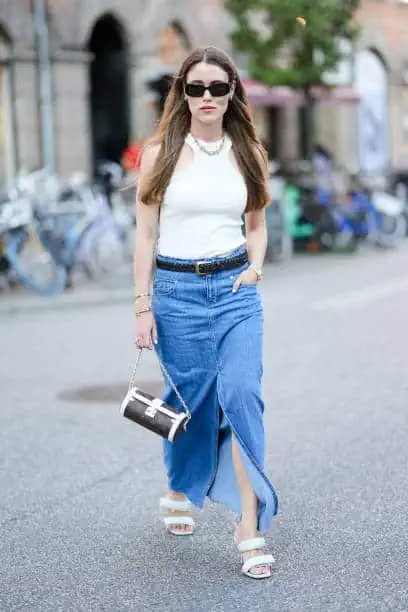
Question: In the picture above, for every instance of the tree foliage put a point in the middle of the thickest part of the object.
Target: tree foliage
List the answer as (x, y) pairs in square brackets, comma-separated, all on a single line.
[(282, 51)]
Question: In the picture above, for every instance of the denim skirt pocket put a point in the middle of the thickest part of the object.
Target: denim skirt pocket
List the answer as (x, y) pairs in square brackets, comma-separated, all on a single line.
[(164, 287)]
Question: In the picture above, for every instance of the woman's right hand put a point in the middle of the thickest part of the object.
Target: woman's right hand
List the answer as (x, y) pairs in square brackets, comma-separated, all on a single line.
[(146, 331)]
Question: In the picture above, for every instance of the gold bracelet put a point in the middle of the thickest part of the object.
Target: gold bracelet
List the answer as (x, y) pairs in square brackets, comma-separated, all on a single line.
[(139, 295), (143, 310)]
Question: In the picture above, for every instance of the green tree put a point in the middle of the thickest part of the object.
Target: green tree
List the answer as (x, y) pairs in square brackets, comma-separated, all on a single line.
[(283, 51)]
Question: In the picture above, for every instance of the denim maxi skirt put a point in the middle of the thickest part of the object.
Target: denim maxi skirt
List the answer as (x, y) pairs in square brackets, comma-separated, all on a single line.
[(210, 341)]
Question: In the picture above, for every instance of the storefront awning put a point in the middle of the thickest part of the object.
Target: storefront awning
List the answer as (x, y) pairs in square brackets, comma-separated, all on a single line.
[(260, 95), (336, 95)]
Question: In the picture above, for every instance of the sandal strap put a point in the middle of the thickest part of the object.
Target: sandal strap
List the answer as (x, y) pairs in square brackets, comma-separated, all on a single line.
[(175, 505), (256, 561), (179, 520), (251, 544)]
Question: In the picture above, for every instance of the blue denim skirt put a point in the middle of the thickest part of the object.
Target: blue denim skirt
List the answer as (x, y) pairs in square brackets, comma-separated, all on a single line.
[(210, 341)]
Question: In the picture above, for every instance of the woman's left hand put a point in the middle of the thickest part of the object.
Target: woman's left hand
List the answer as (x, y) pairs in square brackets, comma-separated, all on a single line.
[(247, 277)]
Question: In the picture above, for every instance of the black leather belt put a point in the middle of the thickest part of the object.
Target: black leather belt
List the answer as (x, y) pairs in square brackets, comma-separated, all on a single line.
[(204, 267)]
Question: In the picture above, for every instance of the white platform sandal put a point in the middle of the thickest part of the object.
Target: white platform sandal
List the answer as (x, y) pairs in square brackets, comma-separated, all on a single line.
[(254, 544), (172, 505)]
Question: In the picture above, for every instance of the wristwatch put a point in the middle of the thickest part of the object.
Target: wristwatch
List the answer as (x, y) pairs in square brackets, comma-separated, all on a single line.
[(258, 271)]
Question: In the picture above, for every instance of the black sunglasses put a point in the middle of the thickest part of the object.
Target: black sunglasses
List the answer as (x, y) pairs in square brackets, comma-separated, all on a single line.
[(217, 89)]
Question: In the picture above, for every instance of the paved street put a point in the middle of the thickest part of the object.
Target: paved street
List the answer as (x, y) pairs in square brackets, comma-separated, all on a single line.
[(79, 485)]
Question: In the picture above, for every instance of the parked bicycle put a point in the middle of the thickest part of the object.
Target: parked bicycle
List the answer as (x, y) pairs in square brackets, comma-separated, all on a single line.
[(78, 225)]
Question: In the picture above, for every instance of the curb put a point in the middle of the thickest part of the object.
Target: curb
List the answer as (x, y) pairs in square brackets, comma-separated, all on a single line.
[(66, 302)]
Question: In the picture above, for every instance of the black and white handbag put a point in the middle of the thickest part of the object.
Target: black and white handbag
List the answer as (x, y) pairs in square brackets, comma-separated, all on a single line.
[(151, 412)]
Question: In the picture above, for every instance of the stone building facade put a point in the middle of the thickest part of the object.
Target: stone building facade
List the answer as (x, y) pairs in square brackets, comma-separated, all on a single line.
[(80, 31), (385, 34), (374, 135), (141, 27)]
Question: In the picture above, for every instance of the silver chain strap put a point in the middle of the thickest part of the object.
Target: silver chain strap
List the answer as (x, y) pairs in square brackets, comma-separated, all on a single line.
[(163, 369)]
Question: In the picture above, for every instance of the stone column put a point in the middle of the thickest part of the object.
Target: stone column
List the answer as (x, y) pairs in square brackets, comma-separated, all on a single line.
[(71, 113), (346, 135), (143, 113), (289, 133), (396, 124), (27, 114)]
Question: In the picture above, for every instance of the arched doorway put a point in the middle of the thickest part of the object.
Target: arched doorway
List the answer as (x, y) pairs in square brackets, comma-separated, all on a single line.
[(7, 119), (109, 98), (371, 83)]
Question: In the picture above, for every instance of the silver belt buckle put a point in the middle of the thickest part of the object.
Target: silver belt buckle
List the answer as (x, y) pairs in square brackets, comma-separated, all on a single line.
[(197, 268)]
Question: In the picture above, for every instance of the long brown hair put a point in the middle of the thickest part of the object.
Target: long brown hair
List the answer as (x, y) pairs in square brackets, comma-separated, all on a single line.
[(237, 122)]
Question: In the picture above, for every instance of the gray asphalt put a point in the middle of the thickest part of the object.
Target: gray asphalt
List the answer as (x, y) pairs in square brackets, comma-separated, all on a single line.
[(79, 485)]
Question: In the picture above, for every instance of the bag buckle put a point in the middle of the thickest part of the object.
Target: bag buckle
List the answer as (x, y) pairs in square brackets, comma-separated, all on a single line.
[(151, 411), (197, 268)]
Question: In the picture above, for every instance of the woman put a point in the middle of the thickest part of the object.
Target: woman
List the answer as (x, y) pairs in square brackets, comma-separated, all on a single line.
[(203, 170)]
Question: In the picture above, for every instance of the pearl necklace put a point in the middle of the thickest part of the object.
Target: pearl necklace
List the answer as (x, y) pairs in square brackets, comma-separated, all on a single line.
[(204, 150)]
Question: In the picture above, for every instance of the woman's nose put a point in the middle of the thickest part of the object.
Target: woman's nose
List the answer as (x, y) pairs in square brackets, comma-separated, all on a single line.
[(207, 95)]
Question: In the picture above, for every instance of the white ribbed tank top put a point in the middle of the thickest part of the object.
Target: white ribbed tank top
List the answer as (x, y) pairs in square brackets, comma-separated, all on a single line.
[(201, 212)]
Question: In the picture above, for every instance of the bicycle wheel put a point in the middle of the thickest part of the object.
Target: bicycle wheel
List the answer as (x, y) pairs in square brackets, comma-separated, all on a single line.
[(109, 258), (33, 266)]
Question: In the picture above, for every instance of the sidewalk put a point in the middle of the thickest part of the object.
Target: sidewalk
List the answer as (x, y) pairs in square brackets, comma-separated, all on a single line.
[(20, 301), (86, 293)]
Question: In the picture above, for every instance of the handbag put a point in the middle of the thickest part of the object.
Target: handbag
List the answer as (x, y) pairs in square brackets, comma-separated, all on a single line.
[(151, 412)]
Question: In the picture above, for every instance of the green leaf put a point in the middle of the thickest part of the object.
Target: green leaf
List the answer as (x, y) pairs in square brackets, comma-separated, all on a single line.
[(281, 34)]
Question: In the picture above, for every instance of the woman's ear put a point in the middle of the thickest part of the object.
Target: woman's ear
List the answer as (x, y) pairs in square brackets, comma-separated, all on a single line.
[(231, 95)]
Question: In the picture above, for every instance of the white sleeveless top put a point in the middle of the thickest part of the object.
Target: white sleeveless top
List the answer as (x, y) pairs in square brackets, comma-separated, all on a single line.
[(202, 208)]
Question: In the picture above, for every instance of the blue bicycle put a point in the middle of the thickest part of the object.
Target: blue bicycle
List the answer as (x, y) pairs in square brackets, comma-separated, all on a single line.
[(26, 256)]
